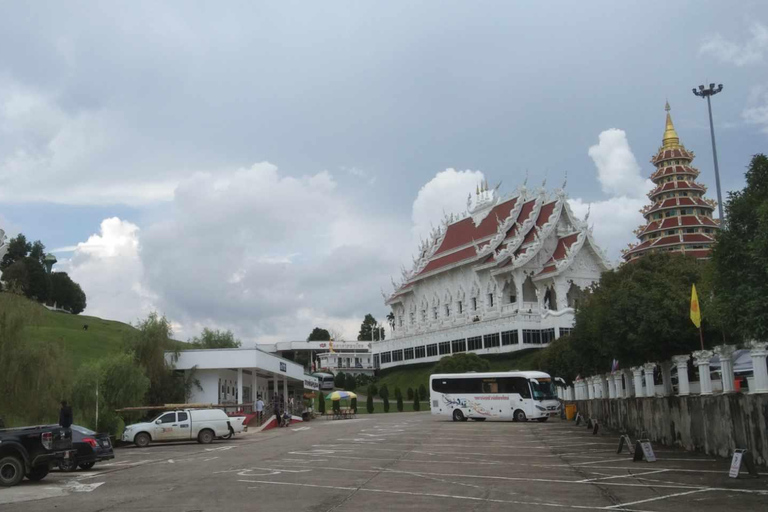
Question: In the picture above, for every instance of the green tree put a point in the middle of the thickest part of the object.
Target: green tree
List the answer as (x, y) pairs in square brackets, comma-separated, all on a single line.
[(369, 403), (215, 339), (340, 380), (18, 248), (462, 363), (66, 293), (321, 403), (369, 330), (16, 277), (409, 393), (399, 397), (423, 392), (149, 344), (740, 257), (416, 403), (385, 404), (39, 282), (319, 334), (37, 251), (373, 390), (350, 382)]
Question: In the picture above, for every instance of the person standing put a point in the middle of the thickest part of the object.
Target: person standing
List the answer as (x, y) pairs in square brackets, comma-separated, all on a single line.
[(65, 415), (259, 410), (276, 405)]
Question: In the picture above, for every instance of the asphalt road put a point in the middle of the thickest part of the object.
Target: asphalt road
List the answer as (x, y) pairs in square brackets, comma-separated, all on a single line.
[(397, 462)]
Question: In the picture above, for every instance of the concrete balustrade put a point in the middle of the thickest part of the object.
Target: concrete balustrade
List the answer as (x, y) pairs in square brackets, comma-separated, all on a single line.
[(605, 391), (637, 375), (701, 359), (758, 351), (650, 385), (611, 385), (619, 385), (683, 386), (725, 353)]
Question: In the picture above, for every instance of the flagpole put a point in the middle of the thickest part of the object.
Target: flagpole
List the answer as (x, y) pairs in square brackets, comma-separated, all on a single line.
[(701, 338)]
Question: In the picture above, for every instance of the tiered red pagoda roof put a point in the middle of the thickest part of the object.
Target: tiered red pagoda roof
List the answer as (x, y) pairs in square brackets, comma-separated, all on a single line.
[(680, 217)]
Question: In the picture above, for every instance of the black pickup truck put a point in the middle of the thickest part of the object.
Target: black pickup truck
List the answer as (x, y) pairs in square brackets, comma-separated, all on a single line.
[(31, 451)]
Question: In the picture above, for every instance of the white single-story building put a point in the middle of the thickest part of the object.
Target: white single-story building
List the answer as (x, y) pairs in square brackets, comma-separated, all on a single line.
[(237, 376)]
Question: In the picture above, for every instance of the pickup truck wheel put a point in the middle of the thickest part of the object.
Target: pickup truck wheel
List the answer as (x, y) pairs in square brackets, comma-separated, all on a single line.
[(87, 465), (142, 440), (11, 471), (38, 473), (205, 437)]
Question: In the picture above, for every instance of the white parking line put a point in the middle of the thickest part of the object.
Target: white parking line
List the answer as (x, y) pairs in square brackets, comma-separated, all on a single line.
[(657, 498)]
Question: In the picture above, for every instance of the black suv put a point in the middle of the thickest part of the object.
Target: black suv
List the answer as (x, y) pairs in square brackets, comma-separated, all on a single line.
[(31, 451)]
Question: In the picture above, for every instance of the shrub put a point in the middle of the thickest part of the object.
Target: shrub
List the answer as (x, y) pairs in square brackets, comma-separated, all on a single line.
[(399, 401), (384, 392), (386, 404), (373, 390), (423, 392), (398, 393), (340, 380), (462, 363), (353, 405), (416, 404), (321, 405), (369, 404), (350, 383), (409, 393)]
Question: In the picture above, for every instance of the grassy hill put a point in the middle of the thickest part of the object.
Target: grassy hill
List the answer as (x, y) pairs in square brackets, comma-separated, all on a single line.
[(103, 337), (412, 376)]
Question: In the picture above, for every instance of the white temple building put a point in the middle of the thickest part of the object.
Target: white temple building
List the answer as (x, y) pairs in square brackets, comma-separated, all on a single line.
[(506, 275)]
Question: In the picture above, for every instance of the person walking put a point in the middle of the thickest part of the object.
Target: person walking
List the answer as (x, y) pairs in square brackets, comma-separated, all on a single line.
[(65, 415), (276, 405), (259, 410)]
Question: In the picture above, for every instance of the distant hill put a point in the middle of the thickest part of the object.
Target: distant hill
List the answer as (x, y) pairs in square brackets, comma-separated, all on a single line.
[(103, 337), (412, 376)]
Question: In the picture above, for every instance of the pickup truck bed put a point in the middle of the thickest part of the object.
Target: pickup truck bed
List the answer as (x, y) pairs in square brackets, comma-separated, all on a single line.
[(31, 451)]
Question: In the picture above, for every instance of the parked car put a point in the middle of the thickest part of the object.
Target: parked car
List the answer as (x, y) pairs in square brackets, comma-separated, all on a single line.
[(91, 448), (31, 451), (205, 425)]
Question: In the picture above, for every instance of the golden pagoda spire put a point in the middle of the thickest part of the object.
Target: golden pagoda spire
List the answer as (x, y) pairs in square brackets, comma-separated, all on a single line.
[(670, 140)]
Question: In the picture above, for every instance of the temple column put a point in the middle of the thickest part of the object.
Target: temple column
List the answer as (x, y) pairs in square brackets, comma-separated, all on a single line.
[(637, 374), (650, 385), (611, 386), (666, 377), (758, 352), (683, 387), (725, 353), (239, 386), (605, 392), (590, 389), (619, 387), (285, 391), (598, 388), (701, 359)]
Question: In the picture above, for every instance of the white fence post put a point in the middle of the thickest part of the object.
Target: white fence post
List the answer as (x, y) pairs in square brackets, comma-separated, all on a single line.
[(701, 359), (725, 353), (683, 387)]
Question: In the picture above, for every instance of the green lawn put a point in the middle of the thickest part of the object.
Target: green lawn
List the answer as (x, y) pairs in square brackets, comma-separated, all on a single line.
[(103, 337)]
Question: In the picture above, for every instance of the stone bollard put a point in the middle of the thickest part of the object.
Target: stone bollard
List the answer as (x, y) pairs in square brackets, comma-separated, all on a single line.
[(650, 385), (637, 373), (758, 352), (611, 385), (701, 359), (619, 388), (666, 377), (725, 353), (683, 387)]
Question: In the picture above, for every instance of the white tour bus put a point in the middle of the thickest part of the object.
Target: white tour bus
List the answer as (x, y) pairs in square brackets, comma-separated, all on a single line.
[(517, 396)]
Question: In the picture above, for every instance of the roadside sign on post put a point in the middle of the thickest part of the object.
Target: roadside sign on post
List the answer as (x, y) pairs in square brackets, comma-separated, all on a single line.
[(644, 450)]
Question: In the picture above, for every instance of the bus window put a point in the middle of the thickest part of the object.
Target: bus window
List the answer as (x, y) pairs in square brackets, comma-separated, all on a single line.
[(490, 386), (521, 387), (543, 389)]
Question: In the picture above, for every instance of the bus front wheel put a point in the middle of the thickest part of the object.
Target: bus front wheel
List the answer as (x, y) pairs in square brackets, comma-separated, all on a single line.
[(519, 415), (458, 415)]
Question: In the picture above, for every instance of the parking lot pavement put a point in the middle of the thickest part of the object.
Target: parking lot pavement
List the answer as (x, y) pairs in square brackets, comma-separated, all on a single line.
[(398, 461)]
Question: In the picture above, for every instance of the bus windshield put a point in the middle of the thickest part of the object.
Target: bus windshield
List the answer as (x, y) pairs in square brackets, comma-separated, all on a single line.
[(543, 389)]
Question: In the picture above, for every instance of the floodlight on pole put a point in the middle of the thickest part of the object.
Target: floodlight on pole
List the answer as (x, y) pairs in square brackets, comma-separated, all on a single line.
[(705, 92)]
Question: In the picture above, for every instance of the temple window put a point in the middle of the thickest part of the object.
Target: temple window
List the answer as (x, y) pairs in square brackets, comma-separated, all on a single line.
[(423, 315), (413, 318), (434, 312), (461, 307), (447, 310), (474, 303), (490, 300)]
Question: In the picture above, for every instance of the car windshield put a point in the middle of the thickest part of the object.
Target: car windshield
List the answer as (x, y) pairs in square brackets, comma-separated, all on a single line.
[(543, 389), (83, 430)]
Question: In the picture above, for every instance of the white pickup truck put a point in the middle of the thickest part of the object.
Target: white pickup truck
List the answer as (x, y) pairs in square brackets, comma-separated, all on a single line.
[(205, 425)]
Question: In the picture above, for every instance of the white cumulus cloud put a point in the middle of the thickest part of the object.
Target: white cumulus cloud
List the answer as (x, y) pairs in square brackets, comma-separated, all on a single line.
[(740, 54), (445, 193), (756, 111), (614, 219)]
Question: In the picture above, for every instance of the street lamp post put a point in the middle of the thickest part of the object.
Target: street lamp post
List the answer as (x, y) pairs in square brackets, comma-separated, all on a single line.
[(704, 92)]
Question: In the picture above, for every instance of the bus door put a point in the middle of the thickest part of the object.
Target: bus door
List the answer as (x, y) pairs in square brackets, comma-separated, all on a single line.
[(520, 398)]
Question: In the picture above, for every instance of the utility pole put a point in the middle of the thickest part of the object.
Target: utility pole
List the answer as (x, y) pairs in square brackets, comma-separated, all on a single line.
[(704, 92)]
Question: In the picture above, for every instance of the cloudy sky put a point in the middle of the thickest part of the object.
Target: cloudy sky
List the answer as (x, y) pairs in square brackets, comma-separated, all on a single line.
[(266, 167)]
